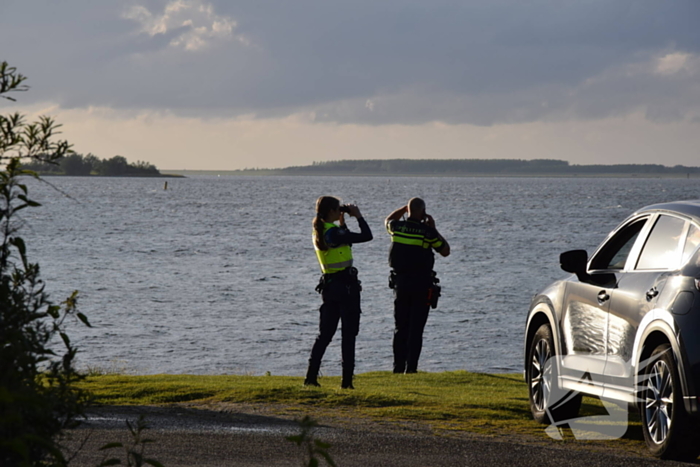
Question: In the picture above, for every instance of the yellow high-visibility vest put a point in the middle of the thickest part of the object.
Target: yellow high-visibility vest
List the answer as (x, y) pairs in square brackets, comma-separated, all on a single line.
[(333, 259)]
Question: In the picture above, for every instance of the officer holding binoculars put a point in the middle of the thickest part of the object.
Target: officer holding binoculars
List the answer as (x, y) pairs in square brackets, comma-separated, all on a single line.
[(338, 286), (412, 278)]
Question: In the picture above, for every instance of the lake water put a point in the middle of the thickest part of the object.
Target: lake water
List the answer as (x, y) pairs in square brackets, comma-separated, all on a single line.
[(217, 274)]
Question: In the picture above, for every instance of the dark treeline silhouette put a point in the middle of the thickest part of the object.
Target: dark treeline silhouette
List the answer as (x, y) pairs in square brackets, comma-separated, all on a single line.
[(76, 164), (471, 167)]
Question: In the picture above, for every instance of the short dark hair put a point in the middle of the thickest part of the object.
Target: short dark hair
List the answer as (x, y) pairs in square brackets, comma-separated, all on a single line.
[(416, 204)]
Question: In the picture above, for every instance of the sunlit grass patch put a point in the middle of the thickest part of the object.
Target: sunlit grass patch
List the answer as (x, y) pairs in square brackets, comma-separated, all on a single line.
[(492, 404), (470, 400)]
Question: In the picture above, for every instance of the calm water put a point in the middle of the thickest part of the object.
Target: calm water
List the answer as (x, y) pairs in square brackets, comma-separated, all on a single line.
[(217, 274)]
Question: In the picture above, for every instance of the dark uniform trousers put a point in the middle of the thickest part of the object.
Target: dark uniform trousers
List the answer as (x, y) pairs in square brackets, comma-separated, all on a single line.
[(341, 302), (410, 315)]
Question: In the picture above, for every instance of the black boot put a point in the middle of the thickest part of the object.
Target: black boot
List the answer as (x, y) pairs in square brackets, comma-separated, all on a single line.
[(347, 380), (312, 374)]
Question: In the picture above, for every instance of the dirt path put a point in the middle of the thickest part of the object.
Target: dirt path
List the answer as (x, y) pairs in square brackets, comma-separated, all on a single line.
[(249, 435)]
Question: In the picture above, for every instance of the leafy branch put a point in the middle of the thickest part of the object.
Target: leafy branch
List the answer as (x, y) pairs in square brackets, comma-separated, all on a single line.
[(10, 80), (22, 140), (135, 452), (312, 447)]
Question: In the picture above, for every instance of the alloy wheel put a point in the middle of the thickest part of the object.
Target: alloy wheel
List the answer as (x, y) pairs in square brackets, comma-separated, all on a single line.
[(541, 374), (658, 401)]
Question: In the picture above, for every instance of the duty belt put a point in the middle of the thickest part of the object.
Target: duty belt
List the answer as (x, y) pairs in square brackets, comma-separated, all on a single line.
[(347, 274)]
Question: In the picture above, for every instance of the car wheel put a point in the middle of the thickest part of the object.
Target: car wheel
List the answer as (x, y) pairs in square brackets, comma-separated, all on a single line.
[(665, 424), (542, 380)]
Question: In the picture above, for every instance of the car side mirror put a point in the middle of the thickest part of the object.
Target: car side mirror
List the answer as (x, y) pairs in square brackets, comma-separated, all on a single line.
[(574, 261)]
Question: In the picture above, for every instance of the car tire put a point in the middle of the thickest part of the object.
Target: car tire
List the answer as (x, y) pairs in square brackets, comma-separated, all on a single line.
[(541, 377), (668, 431)]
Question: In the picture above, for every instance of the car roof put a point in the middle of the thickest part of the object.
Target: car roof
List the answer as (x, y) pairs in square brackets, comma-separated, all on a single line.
[(690, 208)]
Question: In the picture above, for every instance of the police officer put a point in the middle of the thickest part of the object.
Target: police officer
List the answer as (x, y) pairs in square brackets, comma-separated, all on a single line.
[(339, 285), (411, 259)]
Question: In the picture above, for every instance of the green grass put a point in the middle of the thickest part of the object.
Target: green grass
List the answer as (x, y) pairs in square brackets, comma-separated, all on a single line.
[(475, 402)]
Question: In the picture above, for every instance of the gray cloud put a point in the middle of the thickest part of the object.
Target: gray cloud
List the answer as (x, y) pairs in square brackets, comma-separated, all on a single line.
[(480, 62)]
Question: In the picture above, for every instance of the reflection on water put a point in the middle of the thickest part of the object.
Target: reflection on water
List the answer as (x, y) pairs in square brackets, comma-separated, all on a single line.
[(217, 274)]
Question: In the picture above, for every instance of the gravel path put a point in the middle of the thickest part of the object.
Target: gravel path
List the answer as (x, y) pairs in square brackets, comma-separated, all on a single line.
[(236, 435)]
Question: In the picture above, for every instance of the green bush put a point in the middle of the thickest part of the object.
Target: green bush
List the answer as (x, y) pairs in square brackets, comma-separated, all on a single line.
[(38, 398)]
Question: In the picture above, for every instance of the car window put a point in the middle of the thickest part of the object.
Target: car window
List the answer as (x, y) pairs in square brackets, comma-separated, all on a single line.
[(662, 248), (613, 255), (691, 242)]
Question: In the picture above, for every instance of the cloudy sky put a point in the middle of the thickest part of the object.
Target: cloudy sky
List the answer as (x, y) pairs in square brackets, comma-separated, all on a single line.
[(213, 84)]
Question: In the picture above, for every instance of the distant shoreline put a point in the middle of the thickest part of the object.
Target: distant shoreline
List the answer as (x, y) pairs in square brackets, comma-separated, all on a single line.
[(165, 175), (507, 168), (280, 173)]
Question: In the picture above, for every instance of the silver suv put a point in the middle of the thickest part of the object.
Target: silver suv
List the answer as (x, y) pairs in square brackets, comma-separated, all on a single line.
[(625, 326)]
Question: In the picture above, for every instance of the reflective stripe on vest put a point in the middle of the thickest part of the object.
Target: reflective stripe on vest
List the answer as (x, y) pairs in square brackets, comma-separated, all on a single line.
[(416, 240), (413, 239), (333, 259)]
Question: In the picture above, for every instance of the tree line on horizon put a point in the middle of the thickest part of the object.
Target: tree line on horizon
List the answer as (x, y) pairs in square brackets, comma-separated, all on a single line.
[(473, 166), (79, 165)]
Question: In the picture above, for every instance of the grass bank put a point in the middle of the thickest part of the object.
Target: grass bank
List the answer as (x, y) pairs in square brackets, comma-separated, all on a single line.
[(493, 404)]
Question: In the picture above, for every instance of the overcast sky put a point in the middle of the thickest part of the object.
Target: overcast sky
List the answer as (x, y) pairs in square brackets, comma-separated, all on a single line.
[(199, 84)]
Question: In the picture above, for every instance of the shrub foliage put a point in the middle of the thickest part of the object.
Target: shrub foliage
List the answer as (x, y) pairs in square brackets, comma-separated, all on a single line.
[(38, 398)]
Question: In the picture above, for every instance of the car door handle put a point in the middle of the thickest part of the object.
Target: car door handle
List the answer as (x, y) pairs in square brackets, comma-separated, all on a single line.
[(603, 297), (651, 293)]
